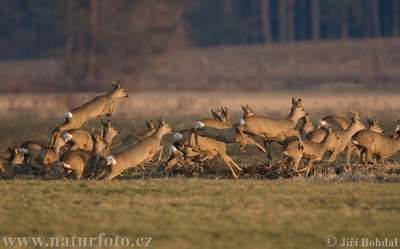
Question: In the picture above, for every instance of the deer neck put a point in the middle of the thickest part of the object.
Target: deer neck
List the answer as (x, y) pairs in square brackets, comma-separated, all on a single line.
[(108, 138), (159, 134), (113, 95), (294, 116), (352, 129)]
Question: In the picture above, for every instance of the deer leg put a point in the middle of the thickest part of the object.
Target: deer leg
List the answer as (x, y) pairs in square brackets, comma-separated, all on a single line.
[(381, 159), (229, 162), (309, 166), (368, 155), (267, 145), (253, 142), (349, 153), (296, 163), (160, 154), (332, 157), (363, 157), (173, 160)]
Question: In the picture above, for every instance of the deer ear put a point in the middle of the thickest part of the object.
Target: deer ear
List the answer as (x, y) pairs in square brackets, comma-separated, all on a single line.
[(116, 84), (108, 123), (356, 115), (299, 102), (294, 100), (162, 121)]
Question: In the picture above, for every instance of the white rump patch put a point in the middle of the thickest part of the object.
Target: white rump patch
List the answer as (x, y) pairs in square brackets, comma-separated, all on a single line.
[(67, 137), (68, 115), (172, 149), (355, 142), (23, 150), (323, 123), (199, 125), (242, 122), (397, 128), (111, 161), (178, 136), (66, 165), (285, 154)]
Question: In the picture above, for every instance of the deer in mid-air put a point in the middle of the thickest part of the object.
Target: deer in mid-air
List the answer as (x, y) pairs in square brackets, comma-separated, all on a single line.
[(272, 130), (104, 105), (137, 154), (185, 146)]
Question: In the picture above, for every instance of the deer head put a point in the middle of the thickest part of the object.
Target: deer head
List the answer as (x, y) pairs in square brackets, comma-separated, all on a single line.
[(297, 110), (108, 132), (118, 91), (17, 155), (247, 111), (150, 124)]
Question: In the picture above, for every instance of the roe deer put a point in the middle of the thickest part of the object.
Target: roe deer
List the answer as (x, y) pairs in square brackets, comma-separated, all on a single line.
[(337, 122), (78, 139), (372, 143), (100, 106), (77, 160), (45, 156), (210, 147), (139, 153), (221, 119), (108, 132), (226, 135), (344, 141), (272, 130), (307, 126), (151, 128), (16, 158), (307, 149)]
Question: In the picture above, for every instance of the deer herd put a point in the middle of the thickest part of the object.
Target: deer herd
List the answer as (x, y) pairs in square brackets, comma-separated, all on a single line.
[(94, 154)]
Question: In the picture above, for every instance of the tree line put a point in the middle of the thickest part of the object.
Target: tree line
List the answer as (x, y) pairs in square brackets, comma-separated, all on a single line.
[(90, 35)]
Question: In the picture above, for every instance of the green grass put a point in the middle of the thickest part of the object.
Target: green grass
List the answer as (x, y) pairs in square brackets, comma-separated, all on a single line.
[(199, 213)]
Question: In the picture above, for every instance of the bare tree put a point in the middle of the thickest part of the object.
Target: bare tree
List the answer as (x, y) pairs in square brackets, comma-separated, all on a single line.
[(375, 21), (69, 42), (395, 17), (94, 8), (290, 20), (315, 19), (265, 20), (282, 20), (344, 25)]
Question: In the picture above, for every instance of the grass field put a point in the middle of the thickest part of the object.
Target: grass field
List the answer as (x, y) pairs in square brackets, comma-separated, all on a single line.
[(204, 211), (198, 213)]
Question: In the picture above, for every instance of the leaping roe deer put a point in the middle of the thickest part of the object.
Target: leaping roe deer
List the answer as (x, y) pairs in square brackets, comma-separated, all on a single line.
[(104, 105), (220, 120), (344, 141), (185, 146), (221, 130), (137, 154), (272, 130)]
